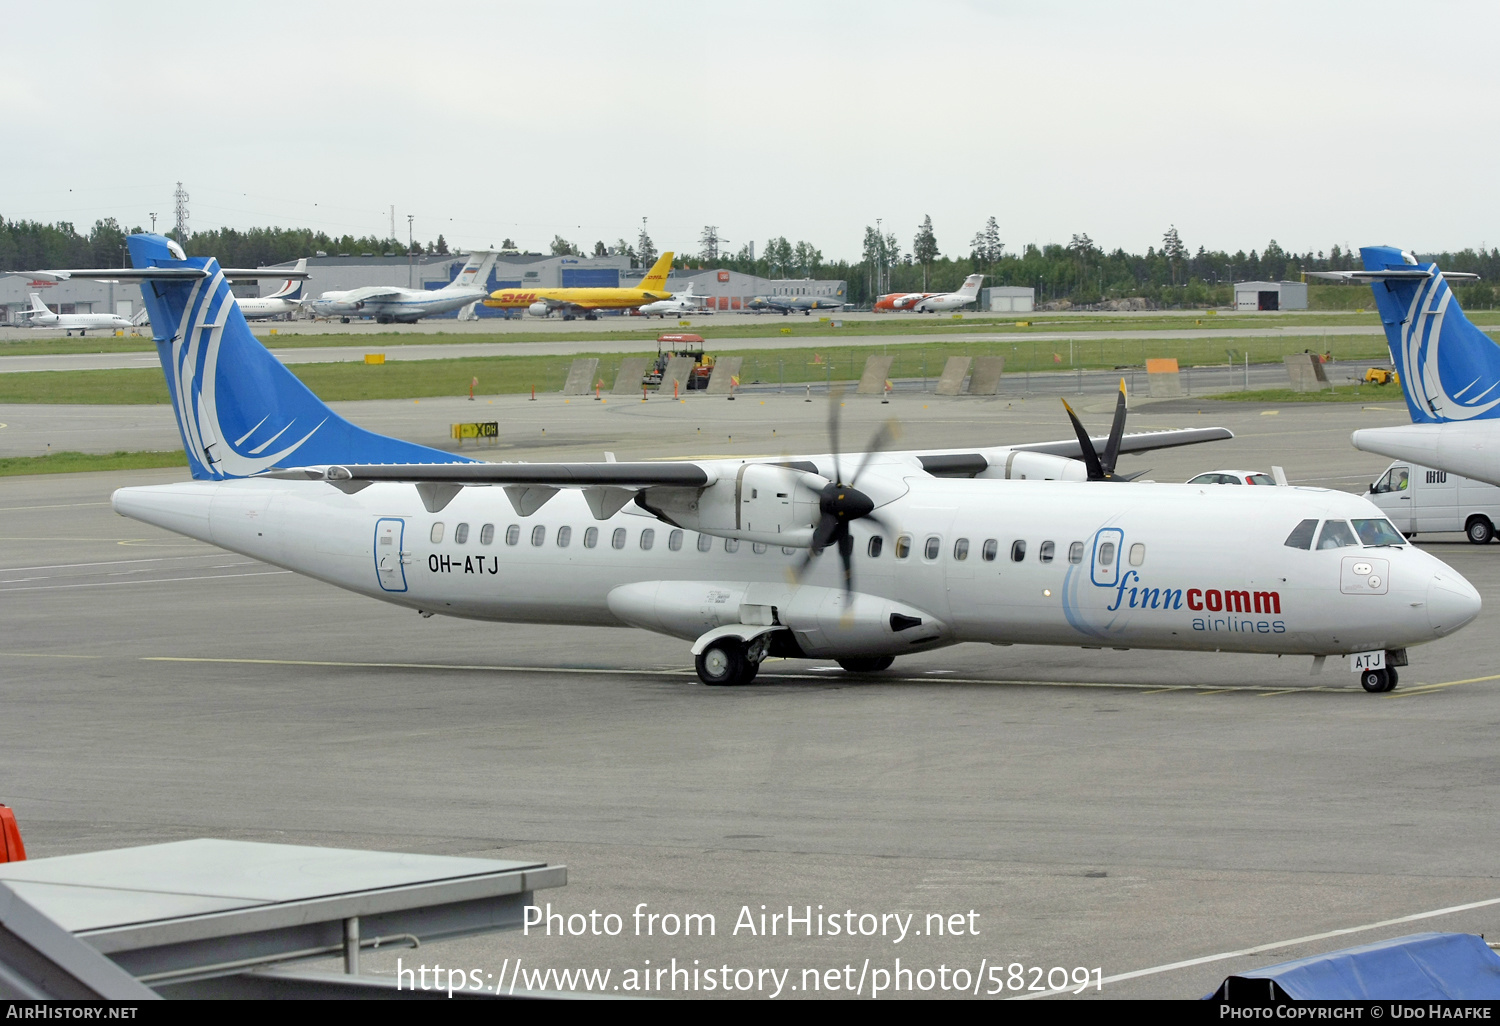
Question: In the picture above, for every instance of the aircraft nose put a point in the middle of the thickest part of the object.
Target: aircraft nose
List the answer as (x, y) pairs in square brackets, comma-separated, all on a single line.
[(1451, 603)]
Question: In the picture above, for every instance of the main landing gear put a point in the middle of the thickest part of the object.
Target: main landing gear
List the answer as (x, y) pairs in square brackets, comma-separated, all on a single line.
[(731, 661), (1376, 681)]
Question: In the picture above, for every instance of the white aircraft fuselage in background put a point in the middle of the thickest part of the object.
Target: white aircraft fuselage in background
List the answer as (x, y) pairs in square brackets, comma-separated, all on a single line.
[(42, 317), (388, 304), (945, 301)]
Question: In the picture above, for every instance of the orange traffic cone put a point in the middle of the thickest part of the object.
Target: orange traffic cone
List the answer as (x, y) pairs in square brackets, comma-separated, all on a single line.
[(11, 848)]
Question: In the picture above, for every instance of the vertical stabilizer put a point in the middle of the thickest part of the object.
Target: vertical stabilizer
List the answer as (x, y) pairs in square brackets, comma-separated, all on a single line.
[(240, 411), (475, 272), (37, 306), (971, 285), (656, 278), (292, 287), (1450, 370)]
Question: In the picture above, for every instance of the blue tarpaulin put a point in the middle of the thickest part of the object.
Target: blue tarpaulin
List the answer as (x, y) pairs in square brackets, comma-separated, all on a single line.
[(1421, 966)]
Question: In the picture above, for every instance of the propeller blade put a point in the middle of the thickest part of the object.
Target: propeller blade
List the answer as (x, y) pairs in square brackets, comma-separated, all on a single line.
[(1090, 455), (846, 553), (825, 533), (889, 430), (1116, 430), (834, 399)]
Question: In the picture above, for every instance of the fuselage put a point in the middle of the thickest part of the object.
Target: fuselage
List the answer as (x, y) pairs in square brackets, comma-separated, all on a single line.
[(267, 307), (395, 304), (941, 303), (601, 298), (79, 322), (999, 562)]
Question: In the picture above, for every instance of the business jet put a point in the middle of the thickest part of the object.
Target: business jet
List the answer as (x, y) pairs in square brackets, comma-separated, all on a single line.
[(787, 305), (746, 559), (389, 304), (679, 305), (42, 317), (945, 301), (285, 300), (1449, 369)]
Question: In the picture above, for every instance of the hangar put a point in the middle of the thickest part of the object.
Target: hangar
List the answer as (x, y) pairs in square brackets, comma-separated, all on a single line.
[(1008, 299), (1270, 295), (733, 290)]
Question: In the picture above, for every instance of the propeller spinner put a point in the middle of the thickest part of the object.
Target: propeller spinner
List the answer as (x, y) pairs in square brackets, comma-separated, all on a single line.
[(840, 503)]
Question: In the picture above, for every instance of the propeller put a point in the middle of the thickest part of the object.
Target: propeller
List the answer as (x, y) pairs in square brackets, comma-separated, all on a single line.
[(1102, 468), (840, 503)]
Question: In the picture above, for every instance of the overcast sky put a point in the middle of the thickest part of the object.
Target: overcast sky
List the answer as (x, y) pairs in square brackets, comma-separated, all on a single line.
[(1313, 123)]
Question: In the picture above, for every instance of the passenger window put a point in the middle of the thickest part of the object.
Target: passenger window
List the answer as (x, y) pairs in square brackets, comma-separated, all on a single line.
[(933, 546), (1046, 552), (961, 549), (1075, 553), (1378, 532), (731, 545), (758, 547), (538, 534), (674, 541), (903, 546), (513, 534), (876, 544), (1336, 535), (1302, 535), (705, 542), (487, 534), (1017, 551), (991, 550), (648, 538), (617, 540), (1107, 554), (590, 537), (564, 536), (437, 532), (461, 534), (1137, 554)]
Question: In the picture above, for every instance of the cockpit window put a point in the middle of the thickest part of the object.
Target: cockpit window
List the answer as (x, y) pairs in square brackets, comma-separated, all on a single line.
[(1336, 535), (1378, 532), (1302, 535)]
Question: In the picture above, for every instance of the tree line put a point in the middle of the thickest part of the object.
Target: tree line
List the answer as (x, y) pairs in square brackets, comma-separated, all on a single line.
[(1078, 271)]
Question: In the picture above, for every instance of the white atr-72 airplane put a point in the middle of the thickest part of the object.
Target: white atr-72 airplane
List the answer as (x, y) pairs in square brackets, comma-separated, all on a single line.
[(42, 317), (1004, 545), (388, 303)]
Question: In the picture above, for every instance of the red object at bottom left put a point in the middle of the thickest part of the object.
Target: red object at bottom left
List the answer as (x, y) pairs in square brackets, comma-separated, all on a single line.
[(11, 848)]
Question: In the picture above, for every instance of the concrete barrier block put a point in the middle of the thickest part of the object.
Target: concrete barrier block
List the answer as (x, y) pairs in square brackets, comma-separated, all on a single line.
[(1305, 372), (628, 380), (954, 371), (674, 378), (726, 370), (877, 370), (581, 376), (984, 379)]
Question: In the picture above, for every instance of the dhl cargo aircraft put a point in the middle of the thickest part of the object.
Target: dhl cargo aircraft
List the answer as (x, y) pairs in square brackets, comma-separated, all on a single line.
[(586, 301)]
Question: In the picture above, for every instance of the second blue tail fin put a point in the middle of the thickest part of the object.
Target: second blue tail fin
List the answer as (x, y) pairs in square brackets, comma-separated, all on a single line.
[(1450, 370), (240, 411)]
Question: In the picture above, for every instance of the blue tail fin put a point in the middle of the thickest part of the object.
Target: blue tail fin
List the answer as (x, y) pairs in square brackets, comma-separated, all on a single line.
[(239, 409), (1450, 370)]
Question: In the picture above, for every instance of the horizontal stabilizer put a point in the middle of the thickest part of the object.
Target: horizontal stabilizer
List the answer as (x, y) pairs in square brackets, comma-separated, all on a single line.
[(1391, 274), (118, 274)]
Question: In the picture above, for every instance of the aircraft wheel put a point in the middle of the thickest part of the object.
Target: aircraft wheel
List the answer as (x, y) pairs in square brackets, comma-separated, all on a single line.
[(867, 664), (1480, 530), (1394, 677), (1375, 681), (343, 320), (723, 663)]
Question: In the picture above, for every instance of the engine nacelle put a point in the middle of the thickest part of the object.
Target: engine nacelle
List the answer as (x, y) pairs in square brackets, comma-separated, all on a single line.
[(1023, 465), (824, 623), (763, 502), (539, 309)]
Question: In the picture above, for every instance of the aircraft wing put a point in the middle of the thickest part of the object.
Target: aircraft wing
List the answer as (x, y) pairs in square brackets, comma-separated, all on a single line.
[(371, 293), (1390, 274), (1140, 441)]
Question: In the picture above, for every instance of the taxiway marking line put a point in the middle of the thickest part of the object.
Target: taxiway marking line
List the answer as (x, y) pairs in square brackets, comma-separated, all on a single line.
[(671, 672), (1218, 691), (137, 583), (1273, 945), (103, 562), (60, 505), (400, 666), (1427, 689), (47, 655)]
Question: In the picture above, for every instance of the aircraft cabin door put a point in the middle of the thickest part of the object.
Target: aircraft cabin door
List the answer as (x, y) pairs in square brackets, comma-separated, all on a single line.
[(1108, 542), (390, 560)]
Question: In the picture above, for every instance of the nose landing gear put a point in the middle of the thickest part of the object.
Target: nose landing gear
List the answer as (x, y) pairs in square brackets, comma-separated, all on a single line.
[(1376, 681), (731, 661)]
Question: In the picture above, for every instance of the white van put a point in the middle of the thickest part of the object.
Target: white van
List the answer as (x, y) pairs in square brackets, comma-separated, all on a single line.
[(1420, 500)]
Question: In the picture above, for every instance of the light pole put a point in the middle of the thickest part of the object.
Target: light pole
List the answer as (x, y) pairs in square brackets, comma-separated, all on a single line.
[(153, 224), (880, 261), (410, 256)]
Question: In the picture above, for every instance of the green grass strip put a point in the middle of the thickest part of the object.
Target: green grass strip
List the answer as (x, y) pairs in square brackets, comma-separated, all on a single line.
[(81, 462), (1367, 394)]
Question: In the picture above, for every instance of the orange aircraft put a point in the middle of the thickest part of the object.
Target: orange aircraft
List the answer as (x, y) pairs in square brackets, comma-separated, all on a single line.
[(893, 302), (586, 301)]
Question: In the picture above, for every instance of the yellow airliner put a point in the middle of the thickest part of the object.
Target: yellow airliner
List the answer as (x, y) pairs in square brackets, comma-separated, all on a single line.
[(573, 302)]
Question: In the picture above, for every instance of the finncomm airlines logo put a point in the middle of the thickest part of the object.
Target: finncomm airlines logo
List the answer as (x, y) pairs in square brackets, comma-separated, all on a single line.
[(1130, 593)]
